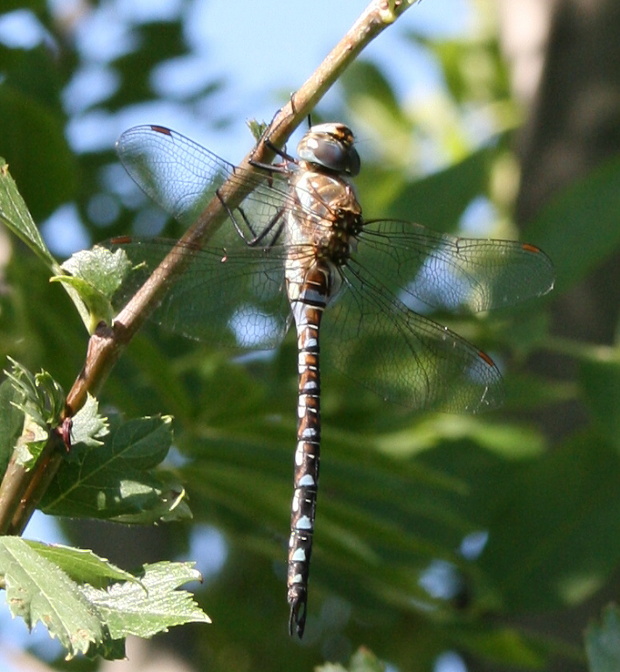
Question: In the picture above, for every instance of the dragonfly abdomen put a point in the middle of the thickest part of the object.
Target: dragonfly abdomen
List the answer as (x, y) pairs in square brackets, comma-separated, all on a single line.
[(308, 302)]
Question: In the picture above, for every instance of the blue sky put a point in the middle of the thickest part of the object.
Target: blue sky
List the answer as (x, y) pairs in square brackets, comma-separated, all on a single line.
[(261, 50)]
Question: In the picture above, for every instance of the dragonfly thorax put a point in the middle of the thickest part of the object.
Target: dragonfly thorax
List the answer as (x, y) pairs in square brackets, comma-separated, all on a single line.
[(328, 216), (321, 229)]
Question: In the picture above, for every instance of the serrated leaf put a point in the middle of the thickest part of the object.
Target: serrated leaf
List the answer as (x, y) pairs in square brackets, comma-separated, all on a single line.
[(38, 590), (100, 267), (95, 275), (41, 401), (80, 608), (42, 397), (114, 481), (603, 642), (15, 215), (88, 426), (153, 605), (81, 565)]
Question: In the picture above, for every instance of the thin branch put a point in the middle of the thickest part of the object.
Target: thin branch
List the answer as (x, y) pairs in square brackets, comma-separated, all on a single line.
[(107, 344)]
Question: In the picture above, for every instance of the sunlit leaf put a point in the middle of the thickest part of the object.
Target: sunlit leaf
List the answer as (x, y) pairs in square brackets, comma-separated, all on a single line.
[(38, 590), (95, 275), (82, 566), (151, 605), (15, 215), (88, 604)]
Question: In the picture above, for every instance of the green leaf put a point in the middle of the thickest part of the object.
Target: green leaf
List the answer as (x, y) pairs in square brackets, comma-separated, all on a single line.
[(371, 529), (603, 642), (15, 215), (89, 604), (115, 481), (41, 396), (34, 5), (80, 565), (502, 645), (474, 71), (365, 85), (561, 514), (31, 442), (41, 400), (38, 590), (33, 141), (95, 275), (151, 605), (155, 42), (88, 426), (257, 128), (100, 267), (426, 197)]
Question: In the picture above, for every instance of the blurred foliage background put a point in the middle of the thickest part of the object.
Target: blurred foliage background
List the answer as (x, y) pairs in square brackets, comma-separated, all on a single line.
[(443, 543)]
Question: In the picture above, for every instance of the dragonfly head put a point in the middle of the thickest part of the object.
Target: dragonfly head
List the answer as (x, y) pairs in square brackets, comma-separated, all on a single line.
[(330, 146)]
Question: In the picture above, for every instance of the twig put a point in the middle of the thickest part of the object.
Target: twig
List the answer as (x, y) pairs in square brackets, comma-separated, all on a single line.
[(107, 344)]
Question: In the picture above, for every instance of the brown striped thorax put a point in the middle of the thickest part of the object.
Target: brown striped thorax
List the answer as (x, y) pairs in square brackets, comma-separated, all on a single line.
[(328, 216)]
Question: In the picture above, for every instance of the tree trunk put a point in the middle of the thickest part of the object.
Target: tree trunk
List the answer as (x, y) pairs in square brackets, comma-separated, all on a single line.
[(565, 66)]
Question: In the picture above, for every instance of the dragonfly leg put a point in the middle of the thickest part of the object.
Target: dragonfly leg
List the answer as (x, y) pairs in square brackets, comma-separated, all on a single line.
[(232, 217), (274, 167), (277, 219), (255, 238)]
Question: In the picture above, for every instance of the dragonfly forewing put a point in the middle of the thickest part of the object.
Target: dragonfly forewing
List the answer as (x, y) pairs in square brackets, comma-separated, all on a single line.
[(183, 177)]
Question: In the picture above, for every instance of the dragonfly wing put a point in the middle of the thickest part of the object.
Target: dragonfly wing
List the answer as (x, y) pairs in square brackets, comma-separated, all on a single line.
[(450, 273), (182, 177), (403, 356), (232, 301)]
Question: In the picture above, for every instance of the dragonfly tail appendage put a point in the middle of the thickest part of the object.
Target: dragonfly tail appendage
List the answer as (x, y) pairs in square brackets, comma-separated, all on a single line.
[(297, 618)]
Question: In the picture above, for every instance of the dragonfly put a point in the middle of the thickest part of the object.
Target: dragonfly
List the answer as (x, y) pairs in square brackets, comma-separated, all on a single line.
[(297, 251)]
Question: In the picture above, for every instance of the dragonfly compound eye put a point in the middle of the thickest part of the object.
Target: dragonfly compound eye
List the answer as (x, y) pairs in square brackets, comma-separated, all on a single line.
[(330, 146)]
